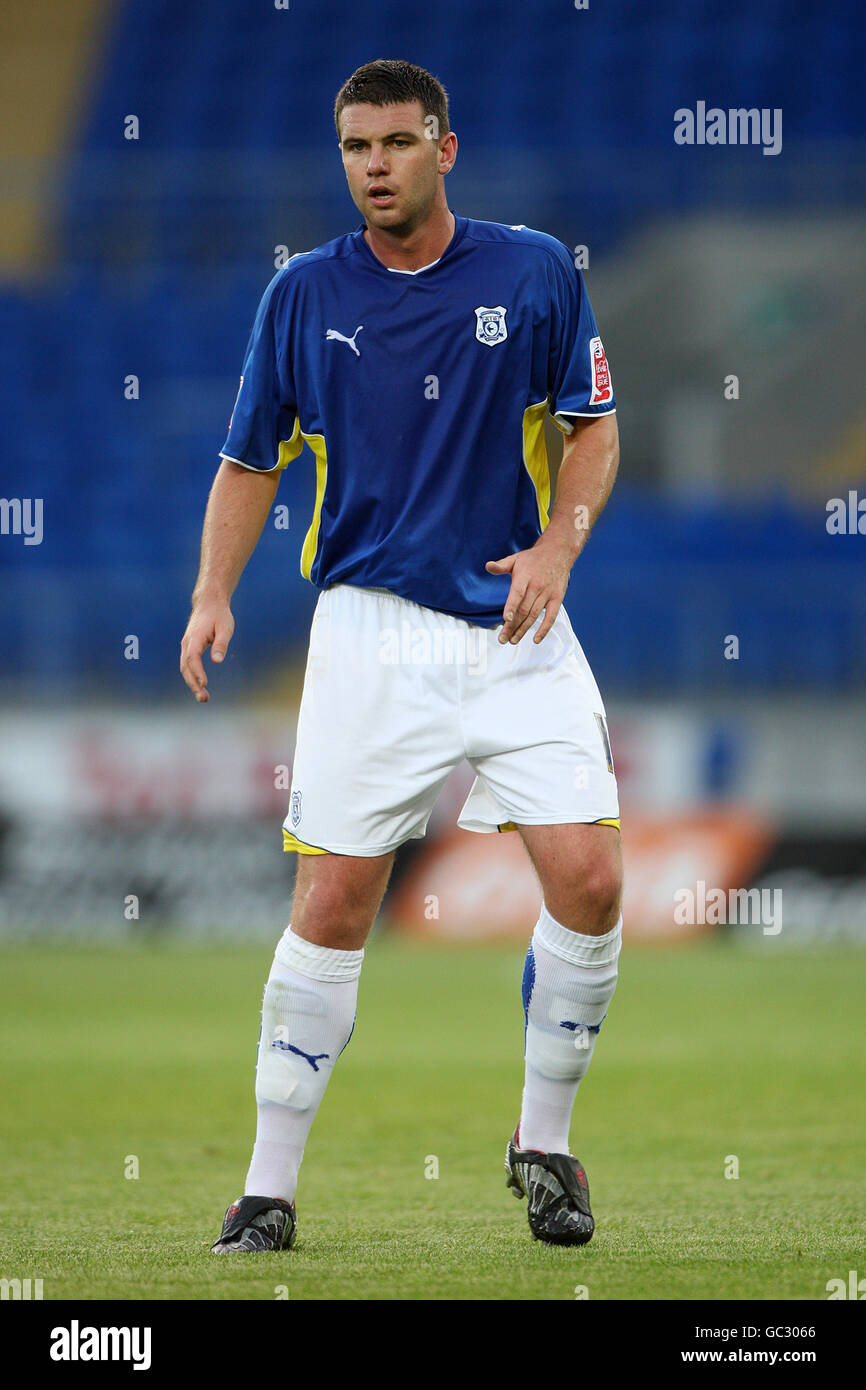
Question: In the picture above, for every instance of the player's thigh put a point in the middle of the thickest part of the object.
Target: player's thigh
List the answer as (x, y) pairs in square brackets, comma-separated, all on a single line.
[(580, 869), (337, 897), (537, 737), (378, 730)]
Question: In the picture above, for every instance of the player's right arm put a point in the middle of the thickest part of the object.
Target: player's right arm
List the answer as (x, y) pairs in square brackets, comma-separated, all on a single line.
[(238, 506)]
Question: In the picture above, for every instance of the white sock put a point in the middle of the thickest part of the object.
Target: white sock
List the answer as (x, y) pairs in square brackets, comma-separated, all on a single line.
[(568, 982), (308, 1015)]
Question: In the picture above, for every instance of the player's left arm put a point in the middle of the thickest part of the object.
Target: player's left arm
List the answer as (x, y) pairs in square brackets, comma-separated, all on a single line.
[(539, 576)]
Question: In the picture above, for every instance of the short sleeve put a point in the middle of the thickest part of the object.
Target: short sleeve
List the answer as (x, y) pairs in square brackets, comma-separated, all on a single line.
[(264, 430), (579, 380)]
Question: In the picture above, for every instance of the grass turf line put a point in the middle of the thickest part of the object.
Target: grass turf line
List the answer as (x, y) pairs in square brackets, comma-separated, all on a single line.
[(707, 1052)]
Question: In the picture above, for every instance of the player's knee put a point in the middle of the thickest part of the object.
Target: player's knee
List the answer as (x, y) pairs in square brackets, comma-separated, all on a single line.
[(339, 912), (334, 921), (605, 891), (589, 900)]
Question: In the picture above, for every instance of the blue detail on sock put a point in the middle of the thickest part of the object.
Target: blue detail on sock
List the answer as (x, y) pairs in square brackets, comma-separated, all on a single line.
[(573, 1027), (527, 987), (312, 1058), (349, 1039), (528, 981)]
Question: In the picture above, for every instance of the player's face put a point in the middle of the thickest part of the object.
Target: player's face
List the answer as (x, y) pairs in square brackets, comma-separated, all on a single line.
[(392, 164)]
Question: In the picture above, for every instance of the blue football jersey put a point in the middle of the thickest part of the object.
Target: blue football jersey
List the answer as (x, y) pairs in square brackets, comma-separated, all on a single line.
[(422, 395)]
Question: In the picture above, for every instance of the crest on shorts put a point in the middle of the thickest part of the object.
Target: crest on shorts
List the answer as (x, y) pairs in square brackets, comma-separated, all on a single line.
[(296, 808), (602, 389), (490, 325)]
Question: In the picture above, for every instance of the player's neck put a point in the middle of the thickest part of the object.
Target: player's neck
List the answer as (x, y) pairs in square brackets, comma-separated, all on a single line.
[(424, 246)]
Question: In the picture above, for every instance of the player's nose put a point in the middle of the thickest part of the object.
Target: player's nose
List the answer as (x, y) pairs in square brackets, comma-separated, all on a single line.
[(377, 163)]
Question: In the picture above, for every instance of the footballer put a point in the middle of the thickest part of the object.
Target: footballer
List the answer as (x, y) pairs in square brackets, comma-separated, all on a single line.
[(417, 357)]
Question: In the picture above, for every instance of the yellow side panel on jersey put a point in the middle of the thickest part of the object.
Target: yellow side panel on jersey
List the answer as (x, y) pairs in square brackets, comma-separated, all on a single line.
[(535, 457), (291, 842), (290, 448), (311, 540)]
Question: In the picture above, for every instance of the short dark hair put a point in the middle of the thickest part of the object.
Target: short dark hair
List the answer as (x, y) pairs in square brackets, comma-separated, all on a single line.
[(389, 81)]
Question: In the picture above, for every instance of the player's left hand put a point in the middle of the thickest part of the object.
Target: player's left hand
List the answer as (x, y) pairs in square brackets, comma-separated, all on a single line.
[(539, 579)]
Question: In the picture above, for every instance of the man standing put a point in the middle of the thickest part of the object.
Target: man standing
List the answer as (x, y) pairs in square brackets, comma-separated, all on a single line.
[(417, 357)]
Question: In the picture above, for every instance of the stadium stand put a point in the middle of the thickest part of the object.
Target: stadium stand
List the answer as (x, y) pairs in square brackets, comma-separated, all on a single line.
[(159, 248)]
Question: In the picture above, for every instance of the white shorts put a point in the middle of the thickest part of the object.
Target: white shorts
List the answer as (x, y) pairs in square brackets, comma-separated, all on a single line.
[(396, 695)]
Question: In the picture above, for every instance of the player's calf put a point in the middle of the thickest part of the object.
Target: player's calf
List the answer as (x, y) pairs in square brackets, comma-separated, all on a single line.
[(568, 982), (308, 1016)]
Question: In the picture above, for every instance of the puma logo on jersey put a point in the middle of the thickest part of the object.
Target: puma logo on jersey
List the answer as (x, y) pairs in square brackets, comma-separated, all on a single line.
[(332, 335)]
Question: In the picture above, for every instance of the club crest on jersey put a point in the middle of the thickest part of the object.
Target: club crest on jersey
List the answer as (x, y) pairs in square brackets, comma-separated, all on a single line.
[(602, 389), (490, 325), (296, 808)]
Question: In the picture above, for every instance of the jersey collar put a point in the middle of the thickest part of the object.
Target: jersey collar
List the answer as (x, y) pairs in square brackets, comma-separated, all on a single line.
[(460, 225)]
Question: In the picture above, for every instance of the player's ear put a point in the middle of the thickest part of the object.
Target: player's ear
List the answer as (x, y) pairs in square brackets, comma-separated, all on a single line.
[(448, 152)]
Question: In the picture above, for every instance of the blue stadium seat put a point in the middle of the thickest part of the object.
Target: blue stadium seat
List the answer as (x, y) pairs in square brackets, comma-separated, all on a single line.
[(168, 245)]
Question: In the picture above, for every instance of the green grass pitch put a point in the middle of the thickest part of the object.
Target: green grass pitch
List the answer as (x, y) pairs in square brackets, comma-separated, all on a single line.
[(707, 1053)]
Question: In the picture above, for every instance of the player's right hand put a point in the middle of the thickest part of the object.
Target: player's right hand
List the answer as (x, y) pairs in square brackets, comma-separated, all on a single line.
[(210, 625)]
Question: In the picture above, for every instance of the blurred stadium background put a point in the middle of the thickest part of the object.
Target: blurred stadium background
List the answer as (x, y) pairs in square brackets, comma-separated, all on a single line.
[(130, 269)]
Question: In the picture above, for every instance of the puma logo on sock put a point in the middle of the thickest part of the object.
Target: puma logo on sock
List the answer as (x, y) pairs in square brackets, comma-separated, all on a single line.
[(312, 1058)]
